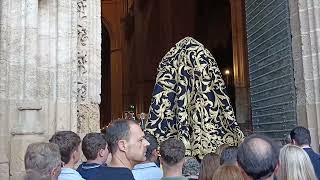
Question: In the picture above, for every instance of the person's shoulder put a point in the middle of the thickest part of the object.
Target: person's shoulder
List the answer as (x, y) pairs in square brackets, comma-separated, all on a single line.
[(145, 166), (310, 151), (148, 172), (80, 167), (118, 169), (174, 178), (69, 174), (117, 173)]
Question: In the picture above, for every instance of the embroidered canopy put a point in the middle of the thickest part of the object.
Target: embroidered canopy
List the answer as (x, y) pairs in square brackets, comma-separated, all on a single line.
[(189, 101)]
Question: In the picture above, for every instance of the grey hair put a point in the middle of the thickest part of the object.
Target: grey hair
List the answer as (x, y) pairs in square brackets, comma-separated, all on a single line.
[(42, 158), (191, 166)]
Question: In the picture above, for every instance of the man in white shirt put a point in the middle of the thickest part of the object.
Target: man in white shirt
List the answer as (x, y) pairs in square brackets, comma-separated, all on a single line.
[(148, 170), (69, 146)]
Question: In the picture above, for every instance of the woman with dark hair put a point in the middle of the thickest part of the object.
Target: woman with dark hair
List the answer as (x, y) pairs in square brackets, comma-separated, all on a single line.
[(209, 165), (227, 172)]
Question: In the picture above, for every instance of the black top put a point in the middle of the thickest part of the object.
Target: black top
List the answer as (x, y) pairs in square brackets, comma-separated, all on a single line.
[(92, 171), (89, 170), (115, 173)]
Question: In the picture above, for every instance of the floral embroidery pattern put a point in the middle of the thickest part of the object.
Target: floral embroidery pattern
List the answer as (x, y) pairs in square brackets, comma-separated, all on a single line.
[(189, 101)]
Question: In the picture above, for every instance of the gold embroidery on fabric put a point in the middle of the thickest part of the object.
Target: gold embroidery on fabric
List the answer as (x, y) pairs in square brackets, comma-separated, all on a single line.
[(189, 101)]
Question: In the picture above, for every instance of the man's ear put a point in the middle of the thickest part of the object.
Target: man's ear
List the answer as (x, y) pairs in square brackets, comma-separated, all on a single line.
[(74, 155), (155, 153), (294, 142), (55, 172), (101, 152), (122, 145)]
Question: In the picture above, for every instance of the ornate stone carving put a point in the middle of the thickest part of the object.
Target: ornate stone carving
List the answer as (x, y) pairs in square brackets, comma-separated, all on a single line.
[(82, 52), (82, 8), (87, 108), (88, 116), (82, 35), (82, 63)]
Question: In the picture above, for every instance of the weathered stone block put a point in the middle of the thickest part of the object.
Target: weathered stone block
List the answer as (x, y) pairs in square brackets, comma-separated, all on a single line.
[(305, 24), (310, 91), (63, 114), (29, 121), (17, 176), (302, 119), (295, 25), (89, 118), (4, 143), (307, 67), (300, 92), (19, 144), (314, 137), (4, 171)]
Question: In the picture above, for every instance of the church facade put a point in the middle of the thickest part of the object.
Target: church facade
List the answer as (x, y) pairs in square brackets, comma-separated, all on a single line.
[(51, 68)]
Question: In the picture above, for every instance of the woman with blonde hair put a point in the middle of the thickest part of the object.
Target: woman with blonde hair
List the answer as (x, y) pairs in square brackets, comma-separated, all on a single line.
[(295, 164), (227, 172)]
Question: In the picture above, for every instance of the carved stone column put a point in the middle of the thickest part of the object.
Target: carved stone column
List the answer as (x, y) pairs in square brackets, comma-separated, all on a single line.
[(49, 73), (305, 29), (89, 65), (4, 133)]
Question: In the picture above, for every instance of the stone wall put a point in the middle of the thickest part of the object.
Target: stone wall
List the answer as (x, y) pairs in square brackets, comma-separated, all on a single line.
[(305, 29), (49, 73)]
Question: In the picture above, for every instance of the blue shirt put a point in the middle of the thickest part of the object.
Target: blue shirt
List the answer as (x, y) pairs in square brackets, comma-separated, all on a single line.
[(90, 170), (147, 171), (315, 160), (69, 174)]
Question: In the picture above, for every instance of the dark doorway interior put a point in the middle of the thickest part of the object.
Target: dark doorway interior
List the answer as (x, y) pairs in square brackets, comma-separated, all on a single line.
[(214, 31), (105, 105)]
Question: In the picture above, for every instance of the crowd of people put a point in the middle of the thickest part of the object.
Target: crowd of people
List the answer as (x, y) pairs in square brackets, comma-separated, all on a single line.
[(125, 152)]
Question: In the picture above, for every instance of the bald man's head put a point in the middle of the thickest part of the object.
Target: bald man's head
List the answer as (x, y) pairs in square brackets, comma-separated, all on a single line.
[(258, 156)]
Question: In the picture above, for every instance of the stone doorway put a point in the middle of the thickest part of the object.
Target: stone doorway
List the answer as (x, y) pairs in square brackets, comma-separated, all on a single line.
[(143, 31), (219, 25)]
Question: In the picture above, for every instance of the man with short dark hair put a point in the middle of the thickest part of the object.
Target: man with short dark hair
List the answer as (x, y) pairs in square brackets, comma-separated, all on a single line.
[(148, 170), (172, 153), (258, 158), (69, 146), (300, 136), (95, 149), (128, 148), (229, 155)]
